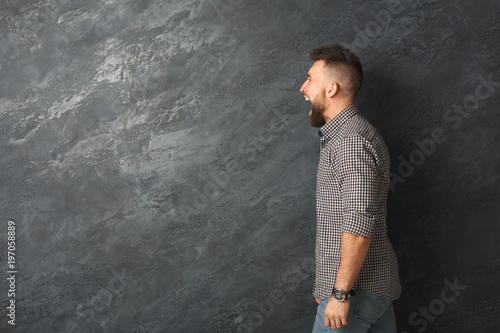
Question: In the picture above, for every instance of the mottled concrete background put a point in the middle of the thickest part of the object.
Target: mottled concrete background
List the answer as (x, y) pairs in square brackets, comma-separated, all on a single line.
[(158, 163)]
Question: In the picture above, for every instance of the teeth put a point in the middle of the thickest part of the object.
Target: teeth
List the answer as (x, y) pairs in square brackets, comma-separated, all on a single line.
[(307, 99)]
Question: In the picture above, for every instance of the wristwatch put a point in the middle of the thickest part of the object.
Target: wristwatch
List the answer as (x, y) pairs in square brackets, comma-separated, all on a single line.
[(341, 295)]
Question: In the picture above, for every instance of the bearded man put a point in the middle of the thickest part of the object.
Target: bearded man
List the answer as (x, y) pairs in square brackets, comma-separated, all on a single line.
[(357, 274)]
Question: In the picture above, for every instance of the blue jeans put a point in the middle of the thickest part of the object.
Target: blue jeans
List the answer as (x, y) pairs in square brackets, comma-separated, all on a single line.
[(368, 313)]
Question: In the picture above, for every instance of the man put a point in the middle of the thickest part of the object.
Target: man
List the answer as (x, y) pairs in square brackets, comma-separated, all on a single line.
[(356, 268)]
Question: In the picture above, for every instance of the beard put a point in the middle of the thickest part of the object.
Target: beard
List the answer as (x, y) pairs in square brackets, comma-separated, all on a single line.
[(317, 117)]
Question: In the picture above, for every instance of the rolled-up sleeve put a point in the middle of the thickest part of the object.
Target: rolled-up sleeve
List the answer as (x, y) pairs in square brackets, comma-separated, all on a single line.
[(359, 185)]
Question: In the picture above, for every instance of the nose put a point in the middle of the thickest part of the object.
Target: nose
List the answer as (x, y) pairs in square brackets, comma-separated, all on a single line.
[(303, 88)]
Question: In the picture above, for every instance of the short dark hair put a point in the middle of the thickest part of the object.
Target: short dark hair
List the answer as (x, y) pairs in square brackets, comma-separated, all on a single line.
[(343, 62)]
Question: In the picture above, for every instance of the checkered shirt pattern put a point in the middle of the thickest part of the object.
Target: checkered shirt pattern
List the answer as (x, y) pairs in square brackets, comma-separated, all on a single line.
[(351, 192)]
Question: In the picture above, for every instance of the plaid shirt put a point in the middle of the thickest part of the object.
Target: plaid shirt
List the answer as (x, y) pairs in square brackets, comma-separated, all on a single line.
[(352, 185)]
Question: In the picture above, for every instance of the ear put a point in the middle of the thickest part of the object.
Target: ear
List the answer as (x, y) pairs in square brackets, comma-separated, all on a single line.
[(332, 89)]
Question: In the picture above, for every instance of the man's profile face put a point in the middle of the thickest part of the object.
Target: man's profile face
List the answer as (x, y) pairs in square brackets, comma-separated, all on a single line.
[(314, 91)]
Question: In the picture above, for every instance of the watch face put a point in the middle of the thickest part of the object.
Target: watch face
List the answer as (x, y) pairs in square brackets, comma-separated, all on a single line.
[(339, 294)]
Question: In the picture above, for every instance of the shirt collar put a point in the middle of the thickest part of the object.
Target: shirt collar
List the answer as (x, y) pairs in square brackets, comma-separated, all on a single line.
[(327, 131)]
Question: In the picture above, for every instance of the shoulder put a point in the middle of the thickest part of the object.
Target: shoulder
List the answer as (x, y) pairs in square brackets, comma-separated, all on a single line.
[(359, 138), (356, 131), (358, 126)]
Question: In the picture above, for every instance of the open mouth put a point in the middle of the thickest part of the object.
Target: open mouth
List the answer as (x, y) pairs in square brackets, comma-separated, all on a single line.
[(308, 99)]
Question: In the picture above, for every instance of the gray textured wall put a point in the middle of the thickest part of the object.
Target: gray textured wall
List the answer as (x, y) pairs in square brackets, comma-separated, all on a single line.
[(157, 160)]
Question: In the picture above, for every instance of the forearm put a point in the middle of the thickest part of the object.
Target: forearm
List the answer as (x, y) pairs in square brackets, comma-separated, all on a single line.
[(353, 252)]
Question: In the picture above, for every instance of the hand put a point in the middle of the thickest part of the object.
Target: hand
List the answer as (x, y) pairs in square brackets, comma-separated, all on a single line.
[(336, 313)]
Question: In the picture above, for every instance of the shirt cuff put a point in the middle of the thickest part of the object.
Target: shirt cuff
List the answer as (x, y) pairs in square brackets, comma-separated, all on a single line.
[(359, 224)]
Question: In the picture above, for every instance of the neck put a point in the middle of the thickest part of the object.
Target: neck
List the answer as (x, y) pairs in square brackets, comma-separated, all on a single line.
[(336, 108)]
